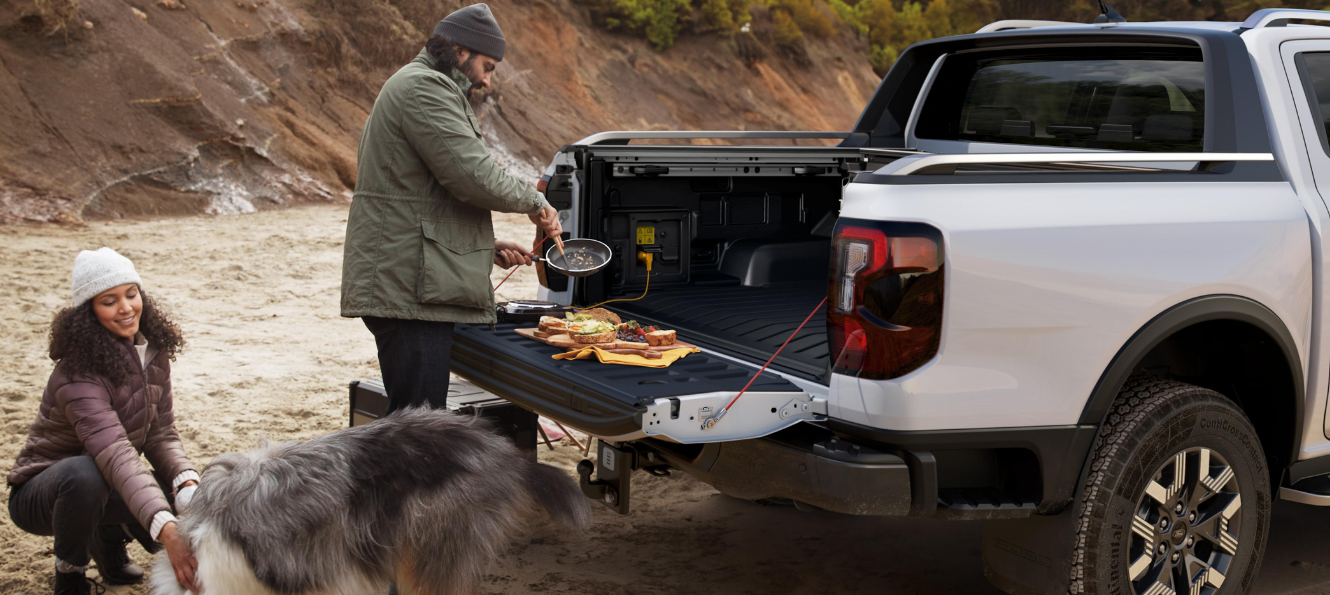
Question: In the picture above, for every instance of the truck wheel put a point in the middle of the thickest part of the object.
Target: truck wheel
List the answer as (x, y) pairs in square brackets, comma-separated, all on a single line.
[(1177, 499)]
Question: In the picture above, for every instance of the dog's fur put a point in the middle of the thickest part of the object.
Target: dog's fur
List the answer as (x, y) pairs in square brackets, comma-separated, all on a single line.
[(422, 496)]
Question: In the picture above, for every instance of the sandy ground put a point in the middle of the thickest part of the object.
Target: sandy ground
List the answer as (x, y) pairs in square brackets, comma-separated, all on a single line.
[(269, 357)]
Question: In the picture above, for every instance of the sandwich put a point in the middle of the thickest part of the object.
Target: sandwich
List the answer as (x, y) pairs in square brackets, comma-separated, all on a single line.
[(598, 314), (594, 331)]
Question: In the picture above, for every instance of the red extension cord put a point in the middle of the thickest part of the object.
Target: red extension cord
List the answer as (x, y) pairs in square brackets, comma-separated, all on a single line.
[(722, 412)]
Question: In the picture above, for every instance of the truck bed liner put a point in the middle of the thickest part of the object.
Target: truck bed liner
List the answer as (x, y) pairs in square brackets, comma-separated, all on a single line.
[(599, 398), (751, 321)]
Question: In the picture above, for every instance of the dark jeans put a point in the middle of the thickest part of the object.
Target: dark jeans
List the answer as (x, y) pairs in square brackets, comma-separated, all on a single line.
[(69, 500), (414, 357)]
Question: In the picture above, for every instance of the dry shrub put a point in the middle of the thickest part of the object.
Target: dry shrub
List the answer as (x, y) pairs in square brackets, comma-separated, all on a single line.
[(809, 18), (56, 14), (787, 32)]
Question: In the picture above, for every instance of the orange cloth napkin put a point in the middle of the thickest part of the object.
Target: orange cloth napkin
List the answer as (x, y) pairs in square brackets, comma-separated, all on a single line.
[(605, 357)]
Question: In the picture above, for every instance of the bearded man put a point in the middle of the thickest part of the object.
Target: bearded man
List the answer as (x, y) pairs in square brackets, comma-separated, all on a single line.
[(419, 240)]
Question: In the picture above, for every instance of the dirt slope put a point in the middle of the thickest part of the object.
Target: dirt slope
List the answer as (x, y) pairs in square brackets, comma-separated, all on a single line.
[(159, 107)]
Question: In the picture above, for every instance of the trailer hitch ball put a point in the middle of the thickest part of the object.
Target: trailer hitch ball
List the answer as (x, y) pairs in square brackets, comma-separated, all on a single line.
[(585, 468)]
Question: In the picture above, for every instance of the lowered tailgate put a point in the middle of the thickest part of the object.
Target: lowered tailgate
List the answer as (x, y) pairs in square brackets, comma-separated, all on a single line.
[(627, 402)]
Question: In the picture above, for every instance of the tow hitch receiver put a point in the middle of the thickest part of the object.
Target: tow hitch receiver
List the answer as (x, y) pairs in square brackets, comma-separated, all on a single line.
[(611, 486)]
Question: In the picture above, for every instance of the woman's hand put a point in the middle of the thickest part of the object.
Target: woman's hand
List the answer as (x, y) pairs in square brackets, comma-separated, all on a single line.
[(510, 254), (184, 495), (182, 560)]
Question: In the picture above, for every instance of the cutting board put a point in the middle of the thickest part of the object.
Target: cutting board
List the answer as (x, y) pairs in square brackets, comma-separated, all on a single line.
[(566, 343)]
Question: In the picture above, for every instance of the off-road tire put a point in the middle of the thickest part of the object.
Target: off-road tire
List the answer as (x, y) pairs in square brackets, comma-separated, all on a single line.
[(1151, 423)]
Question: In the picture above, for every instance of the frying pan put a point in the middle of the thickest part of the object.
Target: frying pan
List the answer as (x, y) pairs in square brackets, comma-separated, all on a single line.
[(595, 248)]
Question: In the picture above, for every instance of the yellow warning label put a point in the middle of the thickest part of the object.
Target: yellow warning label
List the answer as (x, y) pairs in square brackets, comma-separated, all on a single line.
[(646, 235)]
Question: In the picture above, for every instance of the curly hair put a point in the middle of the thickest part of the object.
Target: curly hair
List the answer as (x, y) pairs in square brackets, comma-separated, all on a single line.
[(444, 52), (83, 347)]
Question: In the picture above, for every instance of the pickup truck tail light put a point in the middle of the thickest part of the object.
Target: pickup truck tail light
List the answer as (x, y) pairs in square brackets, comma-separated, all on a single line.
[(884, 312)]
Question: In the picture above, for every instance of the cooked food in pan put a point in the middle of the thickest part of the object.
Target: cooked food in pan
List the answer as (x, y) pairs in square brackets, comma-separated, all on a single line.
[(581, 260)]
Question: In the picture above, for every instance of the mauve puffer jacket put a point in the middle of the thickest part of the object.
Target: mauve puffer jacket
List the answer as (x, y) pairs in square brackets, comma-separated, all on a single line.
[(114, 425)]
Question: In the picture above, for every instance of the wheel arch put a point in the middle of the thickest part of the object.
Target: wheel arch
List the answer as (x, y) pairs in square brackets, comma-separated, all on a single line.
[(1230, 326)]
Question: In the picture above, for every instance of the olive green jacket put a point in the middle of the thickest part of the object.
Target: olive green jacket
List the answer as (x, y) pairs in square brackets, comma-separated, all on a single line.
[(419, 241)]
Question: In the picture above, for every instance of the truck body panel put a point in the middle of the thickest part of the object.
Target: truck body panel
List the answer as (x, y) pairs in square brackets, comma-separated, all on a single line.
[(1043, 290)]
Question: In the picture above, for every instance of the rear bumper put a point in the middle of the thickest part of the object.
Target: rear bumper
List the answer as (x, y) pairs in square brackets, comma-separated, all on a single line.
[(802, 465), (958, 474)]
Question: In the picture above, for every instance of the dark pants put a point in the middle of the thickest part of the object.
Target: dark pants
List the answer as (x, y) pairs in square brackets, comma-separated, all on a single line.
[(69, 500), (414, 357)]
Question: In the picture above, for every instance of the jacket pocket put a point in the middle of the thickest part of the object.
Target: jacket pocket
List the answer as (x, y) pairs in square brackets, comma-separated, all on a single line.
[(455, 264)]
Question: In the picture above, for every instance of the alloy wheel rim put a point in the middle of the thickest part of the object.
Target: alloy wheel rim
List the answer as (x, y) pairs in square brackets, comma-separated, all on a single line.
[(1187, 526)]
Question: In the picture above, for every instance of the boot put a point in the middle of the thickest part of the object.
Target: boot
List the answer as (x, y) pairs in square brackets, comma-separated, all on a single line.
[(113, 563), (74, 583)]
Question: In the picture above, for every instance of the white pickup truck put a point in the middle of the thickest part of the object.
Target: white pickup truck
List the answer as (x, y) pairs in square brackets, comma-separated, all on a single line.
[(1075, 283)]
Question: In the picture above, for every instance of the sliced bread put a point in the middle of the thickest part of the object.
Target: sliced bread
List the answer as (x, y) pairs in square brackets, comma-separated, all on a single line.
[(553, 326), (658, 338)]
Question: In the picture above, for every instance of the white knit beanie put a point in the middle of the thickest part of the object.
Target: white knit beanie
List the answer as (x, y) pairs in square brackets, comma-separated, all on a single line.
[(95, 272)]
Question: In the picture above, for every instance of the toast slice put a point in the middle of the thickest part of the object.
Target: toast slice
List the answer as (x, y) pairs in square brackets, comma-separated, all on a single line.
[(553, 326), (603, 315), (605, 337), (659, 338)]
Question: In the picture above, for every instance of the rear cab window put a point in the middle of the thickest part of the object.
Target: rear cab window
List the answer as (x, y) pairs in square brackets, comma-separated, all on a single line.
[(1119, 98)]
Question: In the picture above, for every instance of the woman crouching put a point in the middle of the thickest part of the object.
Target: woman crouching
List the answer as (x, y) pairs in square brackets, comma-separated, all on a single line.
[(79, 476)]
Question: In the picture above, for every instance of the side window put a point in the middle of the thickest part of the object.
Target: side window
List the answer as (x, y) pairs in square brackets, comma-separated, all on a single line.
[(1314, 70)]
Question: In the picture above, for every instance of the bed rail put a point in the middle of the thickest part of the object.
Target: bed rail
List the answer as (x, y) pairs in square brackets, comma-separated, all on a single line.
[(622, 137), (947, 164)]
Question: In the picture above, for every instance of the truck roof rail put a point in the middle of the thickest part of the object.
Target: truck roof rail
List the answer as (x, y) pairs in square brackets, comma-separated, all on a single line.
[(1010, 24), (1279, 17), (946, 164), (622, 137)]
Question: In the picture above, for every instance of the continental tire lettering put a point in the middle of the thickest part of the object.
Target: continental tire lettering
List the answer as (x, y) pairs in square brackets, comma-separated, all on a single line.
[(1228, 427)]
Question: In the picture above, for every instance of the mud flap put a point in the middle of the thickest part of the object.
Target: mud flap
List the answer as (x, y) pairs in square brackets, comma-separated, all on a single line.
[(1030, 556)]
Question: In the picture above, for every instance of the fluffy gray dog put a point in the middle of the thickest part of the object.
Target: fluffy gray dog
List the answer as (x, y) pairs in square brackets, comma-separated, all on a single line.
[(423, 496)]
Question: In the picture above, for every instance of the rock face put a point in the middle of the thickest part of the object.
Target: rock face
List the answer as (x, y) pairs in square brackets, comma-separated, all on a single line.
[(129, 108)]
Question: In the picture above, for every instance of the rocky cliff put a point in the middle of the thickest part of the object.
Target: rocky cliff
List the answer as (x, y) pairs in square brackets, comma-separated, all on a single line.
[(130, 108)]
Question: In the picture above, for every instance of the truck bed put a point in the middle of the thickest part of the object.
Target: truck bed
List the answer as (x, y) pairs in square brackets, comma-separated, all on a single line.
[(744, 321)]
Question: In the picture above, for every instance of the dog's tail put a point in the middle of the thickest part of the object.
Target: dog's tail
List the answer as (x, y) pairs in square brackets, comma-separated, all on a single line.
[(559, 494)]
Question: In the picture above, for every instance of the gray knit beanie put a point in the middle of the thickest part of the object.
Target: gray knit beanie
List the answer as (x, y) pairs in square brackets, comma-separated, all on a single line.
[(95, 272), (474, 28)]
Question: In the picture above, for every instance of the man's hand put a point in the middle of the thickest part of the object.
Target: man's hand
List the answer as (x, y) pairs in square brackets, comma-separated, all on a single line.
[(510, 254), (182, 560), (548, 222)]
